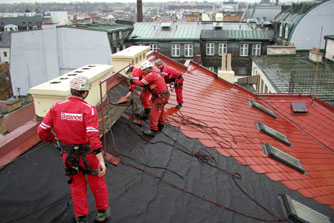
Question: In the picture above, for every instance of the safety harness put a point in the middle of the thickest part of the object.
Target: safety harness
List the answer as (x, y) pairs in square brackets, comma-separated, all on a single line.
[(72, 161), (173, 83)]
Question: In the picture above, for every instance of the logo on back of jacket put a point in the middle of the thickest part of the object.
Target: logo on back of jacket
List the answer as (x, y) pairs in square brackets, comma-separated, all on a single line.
[(71, 116)]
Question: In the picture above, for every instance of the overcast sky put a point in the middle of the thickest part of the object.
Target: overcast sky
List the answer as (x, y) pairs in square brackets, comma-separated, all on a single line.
[(124, 1)]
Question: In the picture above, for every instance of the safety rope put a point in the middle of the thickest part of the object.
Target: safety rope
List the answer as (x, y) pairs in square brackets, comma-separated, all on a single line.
[(203, 156)]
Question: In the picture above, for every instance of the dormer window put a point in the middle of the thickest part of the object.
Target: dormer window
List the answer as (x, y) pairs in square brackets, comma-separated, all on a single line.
[(286, 33), (280, 30)]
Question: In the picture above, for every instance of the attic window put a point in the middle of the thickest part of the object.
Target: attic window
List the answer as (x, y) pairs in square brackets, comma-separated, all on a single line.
[(273, 133), (165, 26), (282, 157), (262, 108), (298, 212), (299, 107)]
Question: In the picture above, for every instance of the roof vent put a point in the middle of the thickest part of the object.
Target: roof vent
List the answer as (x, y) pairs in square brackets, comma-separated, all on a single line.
[(298, 212), (262, 108), (282, 157), (217, 25), (273, 133), (298, 107), (165, 25)]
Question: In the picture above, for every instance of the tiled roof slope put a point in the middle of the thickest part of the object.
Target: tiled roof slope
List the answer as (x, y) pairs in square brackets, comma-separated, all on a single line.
[(218, 114)]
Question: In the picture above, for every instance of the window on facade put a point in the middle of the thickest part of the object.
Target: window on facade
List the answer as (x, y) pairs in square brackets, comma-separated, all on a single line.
[(113, 36), (281, 30), (222, 48), (256, 50), (175, 50), (154, 47), (5, 54), (212, 69), (266, 89), (210, 49), (286, 34), (120, 35), (188, 50), (243, 50), (261, 88)]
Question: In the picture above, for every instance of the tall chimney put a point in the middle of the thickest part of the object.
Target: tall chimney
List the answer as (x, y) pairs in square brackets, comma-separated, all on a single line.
[(139, 10)]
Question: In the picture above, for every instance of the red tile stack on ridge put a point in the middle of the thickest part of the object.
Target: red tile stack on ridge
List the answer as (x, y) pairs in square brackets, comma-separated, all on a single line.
[(217, 113)]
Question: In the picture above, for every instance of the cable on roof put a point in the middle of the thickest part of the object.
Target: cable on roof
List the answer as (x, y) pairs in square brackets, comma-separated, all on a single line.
[(203, 156)]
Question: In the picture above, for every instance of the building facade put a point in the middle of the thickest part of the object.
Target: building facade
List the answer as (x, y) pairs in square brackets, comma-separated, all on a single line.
[(185, 40)]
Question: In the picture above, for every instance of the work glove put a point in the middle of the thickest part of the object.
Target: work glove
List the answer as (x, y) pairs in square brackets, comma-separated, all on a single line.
[(131, 79)]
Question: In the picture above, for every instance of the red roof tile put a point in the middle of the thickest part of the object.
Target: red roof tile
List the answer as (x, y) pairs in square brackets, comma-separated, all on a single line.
[(219, 115)]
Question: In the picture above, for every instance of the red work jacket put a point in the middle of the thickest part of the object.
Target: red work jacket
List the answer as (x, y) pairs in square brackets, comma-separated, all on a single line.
[(138, 74), (154, 81), (74, 121), (169, 72)]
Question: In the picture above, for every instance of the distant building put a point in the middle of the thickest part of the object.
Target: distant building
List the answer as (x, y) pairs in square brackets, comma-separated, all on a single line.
[(40, 55), (265, 12), (329, 47), (305, 24), (19, 22), (60, 18), (295, 74), (4, 47), (185, 40), (117, 34)]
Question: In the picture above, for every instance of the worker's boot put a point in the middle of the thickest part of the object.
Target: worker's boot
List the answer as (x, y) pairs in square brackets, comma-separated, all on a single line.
[(150, 132), (178, 106), (81, 219), (103, 215), (144, 114), (160, 127)]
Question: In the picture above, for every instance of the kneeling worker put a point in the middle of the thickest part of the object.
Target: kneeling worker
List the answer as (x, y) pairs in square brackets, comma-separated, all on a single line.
[(160, 95), (75, 124)]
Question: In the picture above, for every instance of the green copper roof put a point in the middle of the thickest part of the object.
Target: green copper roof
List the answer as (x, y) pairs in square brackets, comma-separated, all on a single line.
[(178, 31)]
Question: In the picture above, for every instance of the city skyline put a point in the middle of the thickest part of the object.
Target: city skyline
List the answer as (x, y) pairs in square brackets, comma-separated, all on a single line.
[(127, 1)]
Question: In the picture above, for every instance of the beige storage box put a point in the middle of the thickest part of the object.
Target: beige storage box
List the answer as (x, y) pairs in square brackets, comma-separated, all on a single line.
[(58, 89), (134, 55)]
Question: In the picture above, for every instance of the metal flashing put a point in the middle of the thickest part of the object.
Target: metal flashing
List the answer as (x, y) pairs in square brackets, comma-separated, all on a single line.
[(298, 212), (273, 133), (262, 108), (283, 157)]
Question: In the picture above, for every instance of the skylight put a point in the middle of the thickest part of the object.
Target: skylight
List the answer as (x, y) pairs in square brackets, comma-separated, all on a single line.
[(273, 133), (299, 107), (262, 108), (282, 157), (298, 212)]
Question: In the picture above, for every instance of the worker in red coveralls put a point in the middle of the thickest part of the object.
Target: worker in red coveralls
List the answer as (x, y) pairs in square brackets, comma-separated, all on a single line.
[(160, 95), (145, 94), (174, 78), (76, 128)]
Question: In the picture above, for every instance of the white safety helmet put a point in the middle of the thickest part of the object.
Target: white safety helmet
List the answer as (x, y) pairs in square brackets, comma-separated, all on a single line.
[(145, 65), (80, 83), (129, 69)]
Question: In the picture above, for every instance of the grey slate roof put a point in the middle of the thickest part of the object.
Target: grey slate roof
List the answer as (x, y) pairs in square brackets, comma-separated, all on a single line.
[(178, 31), (237, 34), (5, 39), (22, 20)]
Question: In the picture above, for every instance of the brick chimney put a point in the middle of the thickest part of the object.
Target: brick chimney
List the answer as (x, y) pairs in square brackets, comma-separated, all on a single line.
[(139, 10)]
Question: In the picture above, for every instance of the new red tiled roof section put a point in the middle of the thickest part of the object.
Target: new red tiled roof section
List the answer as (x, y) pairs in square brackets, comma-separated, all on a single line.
[(218, 114)]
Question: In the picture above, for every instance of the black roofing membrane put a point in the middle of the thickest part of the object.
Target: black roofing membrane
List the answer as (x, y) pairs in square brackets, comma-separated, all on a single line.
[(34, 187)]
